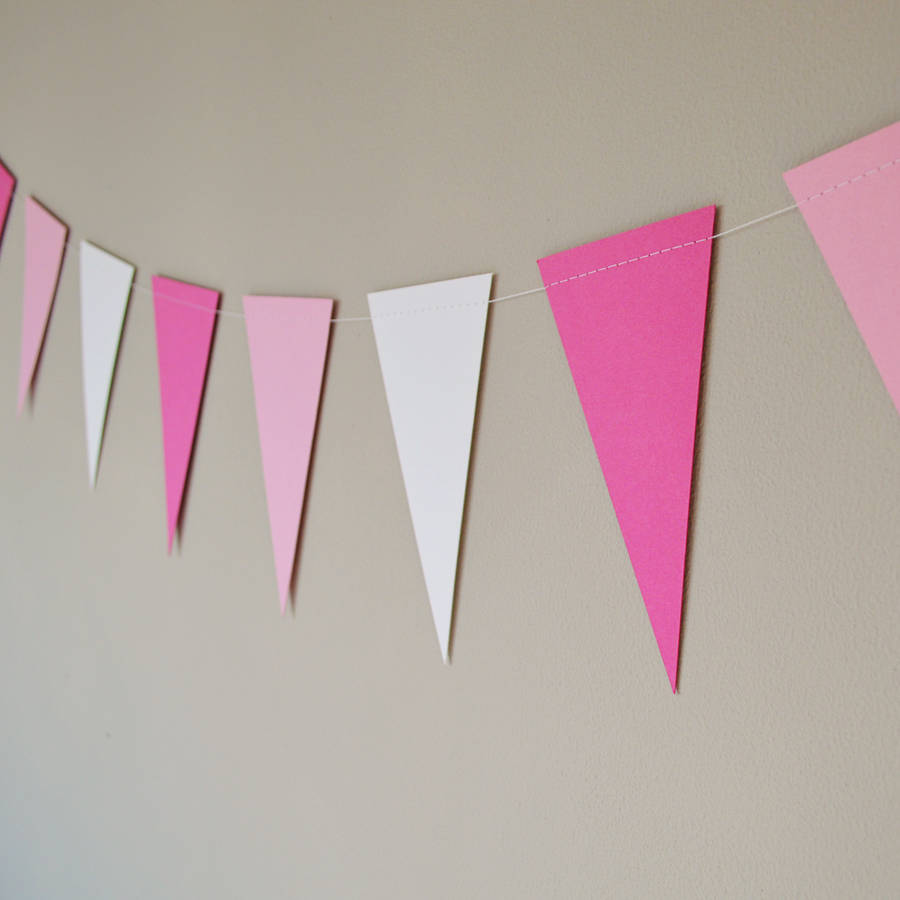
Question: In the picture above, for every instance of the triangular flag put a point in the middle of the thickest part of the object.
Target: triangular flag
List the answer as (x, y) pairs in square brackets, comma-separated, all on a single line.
[(631, 312), (45, 240), (105, 289), (7, 186), (288, 338), (185, 318), (430, 339), (850, 199)]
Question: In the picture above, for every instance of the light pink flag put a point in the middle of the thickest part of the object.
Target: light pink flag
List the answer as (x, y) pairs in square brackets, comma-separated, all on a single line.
[(7, 186), (45, 241), (288, 338), (631, 312), (185, 320), (850, 199)]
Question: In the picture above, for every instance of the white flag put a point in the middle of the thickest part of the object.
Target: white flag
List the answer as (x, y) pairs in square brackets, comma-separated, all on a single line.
[(430, 339), (105, 289)]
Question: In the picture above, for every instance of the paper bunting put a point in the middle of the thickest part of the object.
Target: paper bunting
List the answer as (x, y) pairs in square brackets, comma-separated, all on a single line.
[(633, 337), (105, 289), (45, 241), (185, 320), (288, 338), (7, 186), (631, 313), (430, 339), (850, 199)]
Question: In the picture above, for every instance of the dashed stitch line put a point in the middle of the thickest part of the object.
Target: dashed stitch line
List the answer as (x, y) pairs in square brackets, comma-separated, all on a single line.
[(818, 195)]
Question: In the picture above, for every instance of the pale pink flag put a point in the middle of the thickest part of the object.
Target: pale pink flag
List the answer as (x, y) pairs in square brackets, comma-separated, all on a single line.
[(45, 241), (7, 186), (631, 313), (288, 338), (185, 318), (850, 199)]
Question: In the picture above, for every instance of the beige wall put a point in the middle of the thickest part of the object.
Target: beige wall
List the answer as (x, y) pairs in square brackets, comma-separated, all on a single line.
[(164, 733)]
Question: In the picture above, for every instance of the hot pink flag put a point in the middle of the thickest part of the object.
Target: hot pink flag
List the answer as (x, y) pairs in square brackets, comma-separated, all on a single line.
[(288, 339), (7, 186), (850, 199), (185, 319), (45, 241), (631, 312)]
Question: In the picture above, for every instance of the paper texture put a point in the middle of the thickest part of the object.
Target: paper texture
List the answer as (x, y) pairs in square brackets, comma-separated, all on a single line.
[(430, 339), (45, 241), (857, 228), (288, 338), (105, 289), (185, 320), (7, 186), (633, 337)]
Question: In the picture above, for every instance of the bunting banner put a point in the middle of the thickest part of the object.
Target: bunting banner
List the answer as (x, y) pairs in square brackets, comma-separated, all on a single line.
[(631, 314), (288, 339), (45, 242), (105, 288), (858, 233), (7, 186), (185, 320), (430, 339)]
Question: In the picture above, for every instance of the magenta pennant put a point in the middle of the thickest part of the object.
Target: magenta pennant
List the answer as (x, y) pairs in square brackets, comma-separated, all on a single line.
[(850, 199), (45, 241), (288, 338), (7, 186), (185, 318), (631, 313)]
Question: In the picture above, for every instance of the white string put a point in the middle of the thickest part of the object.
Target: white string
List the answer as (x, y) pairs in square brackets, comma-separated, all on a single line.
[(147, 289), (137, 286)]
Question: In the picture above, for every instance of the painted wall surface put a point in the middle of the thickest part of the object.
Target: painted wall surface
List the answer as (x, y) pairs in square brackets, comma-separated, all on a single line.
[(165, 733)]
